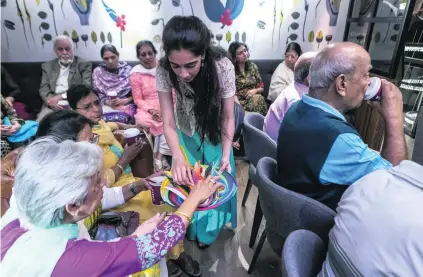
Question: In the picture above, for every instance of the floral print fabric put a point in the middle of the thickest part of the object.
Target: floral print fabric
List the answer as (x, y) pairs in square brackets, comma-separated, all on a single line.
[(185, 118), (246, 81), (154, 246)]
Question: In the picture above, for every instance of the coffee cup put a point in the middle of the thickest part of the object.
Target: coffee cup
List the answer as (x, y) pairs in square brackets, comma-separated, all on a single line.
[(131, 135), (156, 196), (374, 91), (112, 95), (64, 104)]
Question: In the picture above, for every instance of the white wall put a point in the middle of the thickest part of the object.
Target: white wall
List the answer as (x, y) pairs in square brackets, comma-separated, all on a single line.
[(140, 14)]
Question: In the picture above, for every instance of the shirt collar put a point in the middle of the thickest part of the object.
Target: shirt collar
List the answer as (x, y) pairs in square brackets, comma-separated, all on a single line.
[(301, 88), (322, 105)]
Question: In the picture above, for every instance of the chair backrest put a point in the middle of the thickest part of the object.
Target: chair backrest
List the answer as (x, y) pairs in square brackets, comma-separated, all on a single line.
[(303, 254), (286, 211), (257, 143)]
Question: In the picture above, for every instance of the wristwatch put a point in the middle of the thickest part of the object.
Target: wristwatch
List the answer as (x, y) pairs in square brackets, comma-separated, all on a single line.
[(132, 188)]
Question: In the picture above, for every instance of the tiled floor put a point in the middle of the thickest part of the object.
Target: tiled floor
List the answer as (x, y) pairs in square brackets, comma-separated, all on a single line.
[(230, 255)]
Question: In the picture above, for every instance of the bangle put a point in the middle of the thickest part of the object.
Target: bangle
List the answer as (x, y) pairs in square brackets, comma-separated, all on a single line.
[(132, 188), (184, 215), (120, 167)]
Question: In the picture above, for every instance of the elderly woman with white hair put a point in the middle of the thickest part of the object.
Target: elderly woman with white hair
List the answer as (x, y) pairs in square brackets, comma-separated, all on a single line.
[(60, 74), (58, 185)]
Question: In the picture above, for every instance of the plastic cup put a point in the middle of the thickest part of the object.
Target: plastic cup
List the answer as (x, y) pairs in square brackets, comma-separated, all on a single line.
[(131, 135), (112, 95), (156, 195), (64, 104), (374, 91)]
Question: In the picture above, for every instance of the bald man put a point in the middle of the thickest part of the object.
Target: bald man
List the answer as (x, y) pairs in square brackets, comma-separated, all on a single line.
[(289, 95), (319, 154)]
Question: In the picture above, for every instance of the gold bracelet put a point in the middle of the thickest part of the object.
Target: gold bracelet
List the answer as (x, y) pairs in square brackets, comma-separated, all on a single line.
[(184, 215), (121, 168)]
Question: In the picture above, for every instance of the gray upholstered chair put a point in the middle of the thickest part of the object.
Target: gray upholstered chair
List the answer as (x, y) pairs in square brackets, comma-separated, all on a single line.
[(257, 145), (286, 211), (303, 254)]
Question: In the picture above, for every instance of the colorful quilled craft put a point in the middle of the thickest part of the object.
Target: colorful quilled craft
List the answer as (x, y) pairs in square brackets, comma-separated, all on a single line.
[(175, 195)]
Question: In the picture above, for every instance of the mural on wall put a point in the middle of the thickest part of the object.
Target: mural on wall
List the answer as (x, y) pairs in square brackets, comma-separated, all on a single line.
[(82, 9), (267, 26)]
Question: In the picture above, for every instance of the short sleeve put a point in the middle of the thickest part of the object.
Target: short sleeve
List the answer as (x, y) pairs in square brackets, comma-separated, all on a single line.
[(163, 83), (350, 159), (226, 75)]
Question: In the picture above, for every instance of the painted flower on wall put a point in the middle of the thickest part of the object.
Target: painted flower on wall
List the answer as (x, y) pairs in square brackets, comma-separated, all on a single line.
[(120, 22)]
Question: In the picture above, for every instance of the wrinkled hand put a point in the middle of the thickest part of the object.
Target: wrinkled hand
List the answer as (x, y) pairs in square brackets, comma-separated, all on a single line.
[(225, 165), (11, 129), (149, 225), (390, 105), (53, 102), (203, 189), (181, 171), (251, 92), (118, 102), (131, 151), (142, 185)]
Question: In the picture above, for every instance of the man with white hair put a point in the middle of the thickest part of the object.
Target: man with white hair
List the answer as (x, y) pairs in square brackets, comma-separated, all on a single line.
[(289, 96), (319, 153), (60, 74)]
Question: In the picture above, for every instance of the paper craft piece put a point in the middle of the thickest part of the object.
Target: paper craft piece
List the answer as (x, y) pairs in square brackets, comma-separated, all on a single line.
[(175, 195)]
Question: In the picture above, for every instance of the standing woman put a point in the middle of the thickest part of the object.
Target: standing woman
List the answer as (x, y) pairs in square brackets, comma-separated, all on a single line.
[(249, 85), (112, 77), (203, 128)]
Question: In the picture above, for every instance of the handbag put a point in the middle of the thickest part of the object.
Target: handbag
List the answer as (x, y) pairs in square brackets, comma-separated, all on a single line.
[(239, 120), (112, 225)]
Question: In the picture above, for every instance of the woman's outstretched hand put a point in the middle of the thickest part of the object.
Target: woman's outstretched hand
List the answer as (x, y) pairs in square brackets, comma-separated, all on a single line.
[(204, 189), (181, 171)]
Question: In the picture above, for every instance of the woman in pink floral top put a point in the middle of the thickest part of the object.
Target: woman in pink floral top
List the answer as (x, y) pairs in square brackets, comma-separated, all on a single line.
[(59, 184)]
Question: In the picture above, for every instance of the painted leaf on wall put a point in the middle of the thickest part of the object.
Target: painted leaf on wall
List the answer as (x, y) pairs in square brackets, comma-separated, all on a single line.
[(237, 36), (397, 27), (394, 38), (65, 33), (228, 36), (157, 39), (45, 37), (219, 37), (44, 26), (244, 37), (109, 37), (311, 36), (102, 37), (261, 24), (155, 22), (94, 37), (319, 38), (328, 38), (38, 2), (292, 37), (3, 3), (293, 26), (84, 39), (295, 15), (75, 37), (42, 15), (9, 24)]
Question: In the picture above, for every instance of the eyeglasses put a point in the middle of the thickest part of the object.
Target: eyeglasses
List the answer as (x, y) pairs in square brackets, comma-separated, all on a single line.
[(291, 56), (94, 139), (89, 106), (149, 53)]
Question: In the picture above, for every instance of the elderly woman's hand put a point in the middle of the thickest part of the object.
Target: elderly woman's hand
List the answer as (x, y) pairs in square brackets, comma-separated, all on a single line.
[(203, 189), (149, 225)]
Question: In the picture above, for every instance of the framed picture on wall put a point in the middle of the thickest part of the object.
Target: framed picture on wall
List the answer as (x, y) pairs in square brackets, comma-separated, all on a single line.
[(380, 27)]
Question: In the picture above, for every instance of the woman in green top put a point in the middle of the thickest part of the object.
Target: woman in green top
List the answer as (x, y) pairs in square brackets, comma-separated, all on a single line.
[(202, 127)]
